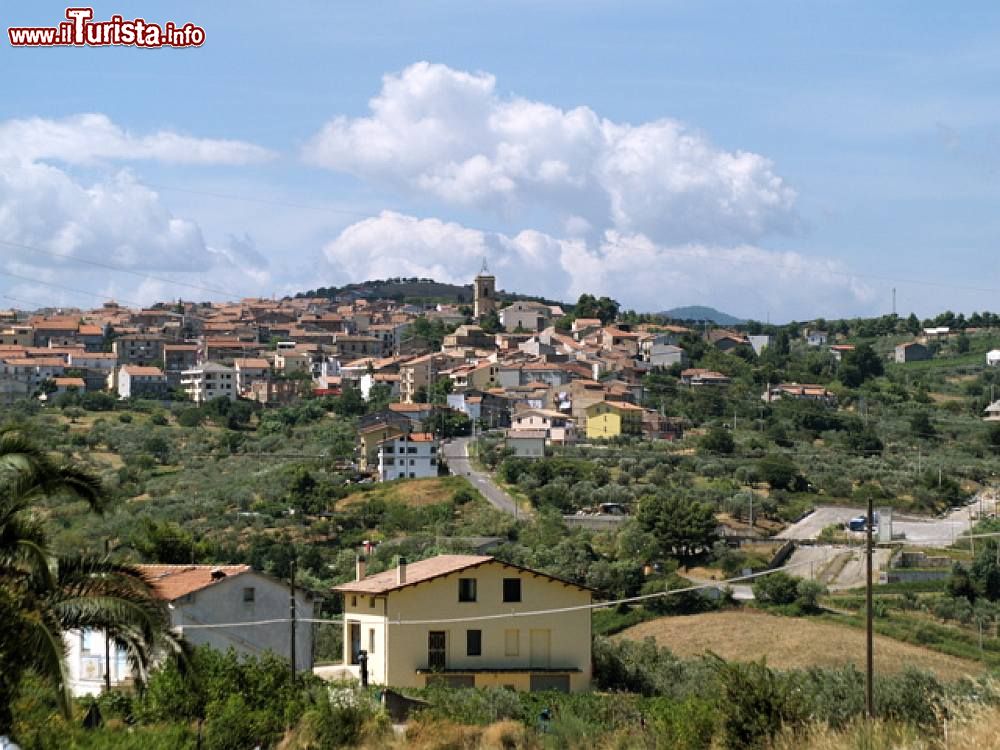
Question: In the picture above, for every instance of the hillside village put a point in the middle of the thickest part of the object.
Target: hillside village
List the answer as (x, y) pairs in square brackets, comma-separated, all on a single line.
[(464, 485)]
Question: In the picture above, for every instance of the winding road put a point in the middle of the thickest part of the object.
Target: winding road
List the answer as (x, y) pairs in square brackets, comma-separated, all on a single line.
[(456, 450)]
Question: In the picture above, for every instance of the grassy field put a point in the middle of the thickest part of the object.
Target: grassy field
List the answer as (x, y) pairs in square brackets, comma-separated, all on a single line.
[(791, 643), (411, 492)]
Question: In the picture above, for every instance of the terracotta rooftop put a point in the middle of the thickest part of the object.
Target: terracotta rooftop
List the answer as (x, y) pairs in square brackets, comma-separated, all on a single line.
[(413, 437), (69, 382), (174, 581), (431, 568), (416, 572), (147, 371)]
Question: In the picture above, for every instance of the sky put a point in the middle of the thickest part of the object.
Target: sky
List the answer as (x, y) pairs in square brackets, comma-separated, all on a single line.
[(776, 160)]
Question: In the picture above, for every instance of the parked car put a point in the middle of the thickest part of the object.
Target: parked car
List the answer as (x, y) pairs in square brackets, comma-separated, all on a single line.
[(860, 523)]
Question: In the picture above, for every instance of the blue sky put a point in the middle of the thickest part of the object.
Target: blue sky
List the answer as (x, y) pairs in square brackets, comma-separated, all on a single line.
[(773, 159)]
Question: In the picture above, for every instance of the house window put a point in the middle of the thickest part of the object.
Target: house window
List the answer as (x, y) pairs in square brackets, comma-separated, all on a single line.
[(512, 589), (354, 601), (437, 652), (511, 642), (467, 589), (371, 641), (474, 642), (248, 594), (371, 602)]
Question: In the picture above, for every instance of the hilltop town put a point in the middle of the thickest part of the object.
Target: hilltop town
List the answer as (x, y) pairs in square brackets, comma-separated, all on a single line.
[(492, 492)]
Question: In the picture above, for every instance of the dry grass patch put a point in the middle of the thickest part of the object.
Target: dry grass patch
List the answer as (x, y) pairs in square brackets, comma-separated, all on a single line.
[(107, 458), (791, 643), (412, 492)]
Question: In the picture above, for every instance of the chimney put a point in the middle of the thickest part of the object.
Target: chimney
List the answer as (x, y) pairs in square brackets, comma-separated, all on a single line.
[(360, 566), (401, 571)]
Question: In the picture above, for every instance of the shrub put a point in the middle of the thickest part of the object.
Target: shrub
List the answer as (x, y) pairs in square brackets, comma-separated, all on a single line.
[(776, 588), (190, 417), (689, 725), (718, 440), (808, 593), (756, 701)]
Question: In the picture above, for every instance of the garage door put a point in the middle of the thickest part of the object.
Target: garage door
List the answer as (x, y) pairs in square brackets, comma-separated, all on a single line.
[(540, 682)]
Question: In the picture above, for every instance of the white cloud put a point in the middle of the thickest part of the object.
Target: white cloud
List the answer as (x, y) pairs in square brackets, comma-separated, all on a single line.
[(393, 244), (86, 138), (56, 229), (438, 131), (632, 268), (53, 229)]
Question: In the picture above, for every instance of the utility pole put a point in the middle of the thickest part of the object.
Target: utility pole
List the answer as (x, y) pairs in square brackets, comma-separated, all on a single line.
[(869, 618), (291, 612), (107, 638)]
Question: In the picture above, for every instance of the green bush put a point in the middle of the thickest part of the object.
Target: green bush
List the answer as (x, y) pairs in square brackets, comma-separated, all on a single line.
[(755, 703), (776, 588), (688, 725)]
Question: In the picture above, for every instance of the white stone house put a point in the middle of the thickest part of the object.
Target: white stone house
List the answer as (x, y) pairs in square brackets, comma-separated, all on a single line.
[(993, 358), (135, 381), (411, 456), (559, 428), (199, 596), (209, 381)]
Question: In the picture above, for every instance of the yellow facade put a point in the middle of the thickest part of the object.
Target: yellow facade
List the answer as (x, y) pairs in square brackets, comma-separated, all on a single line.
[(606, 419), (522, 652), (607, 425)]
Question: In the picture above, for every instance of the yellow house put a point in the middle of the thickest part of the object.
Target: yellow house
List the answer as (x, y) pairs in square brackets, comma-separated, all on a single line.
[(608, 419), (468, 621)]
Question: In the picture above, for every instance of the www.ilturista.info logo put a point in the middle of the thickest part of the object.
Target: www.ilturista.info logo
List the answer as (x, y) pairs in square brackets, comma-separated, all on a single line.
[(80, 30)]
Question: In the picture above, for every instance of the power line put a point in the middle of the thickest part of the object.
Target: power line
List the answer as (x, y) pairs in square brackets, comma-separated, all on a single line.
[(118, 269), (533, 613), (67, 288)]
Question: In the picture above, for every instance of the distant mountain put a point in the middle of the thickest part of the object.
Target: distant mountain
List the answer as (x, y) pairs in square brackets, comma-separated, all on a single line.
[(702, 313)]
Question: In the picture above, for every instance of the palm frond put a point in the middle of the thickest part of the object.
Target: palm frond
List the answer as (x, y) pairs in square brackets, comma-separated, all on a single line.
[(43, 638), (29, 472)]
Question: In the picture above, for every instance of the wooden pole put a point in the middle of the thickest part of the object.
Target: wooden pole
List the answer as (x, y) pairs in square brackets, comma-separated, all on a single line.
[(869, 624)]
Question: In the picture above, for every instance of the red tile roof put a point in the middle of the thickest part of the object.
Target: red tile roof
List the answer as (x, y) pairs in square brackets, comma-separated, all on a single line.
[(69, 382), (149, 371), (417, 572), (174, 581), (434, 567)]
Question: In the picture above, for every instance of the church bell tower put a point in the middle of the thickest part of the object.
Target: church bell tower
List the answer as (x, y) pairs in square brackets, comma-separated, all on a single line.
[(485, 293)]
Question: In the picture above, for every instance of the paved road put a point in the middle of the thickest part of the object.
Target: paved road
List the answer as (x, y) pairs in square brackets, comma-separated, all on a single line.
[(912, 528), (742, 592), (456, 451)]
